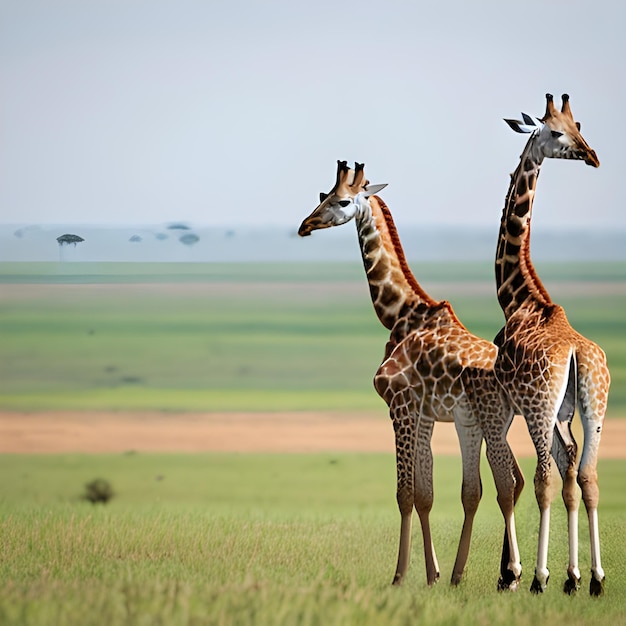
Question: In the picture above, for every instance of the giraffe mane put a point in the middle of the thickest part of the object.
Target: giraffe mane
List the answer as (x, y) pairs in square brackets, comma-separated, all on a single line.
[(394, 238), (528, 268)]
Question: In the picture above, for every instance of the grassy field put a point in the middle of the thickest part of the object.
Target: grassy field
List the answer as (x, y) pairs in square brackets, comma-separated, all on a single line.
[(242, 337), (264, 539), (225, 539)]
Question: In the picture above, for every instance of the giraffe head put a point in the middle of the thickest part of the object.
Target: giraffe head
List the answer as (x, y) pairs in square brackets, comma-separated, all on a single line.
[(343, 201), (556, 135)]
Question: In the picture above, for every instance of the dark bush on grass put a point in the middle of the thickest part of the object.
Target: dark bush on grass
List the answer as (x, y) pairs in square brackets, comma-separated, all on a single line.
[(98, 490)]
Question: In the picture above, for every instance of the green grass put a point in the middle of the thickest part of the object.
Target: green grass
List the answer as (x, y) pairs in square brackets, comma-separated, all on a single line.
[(241, 337), (270, 539)]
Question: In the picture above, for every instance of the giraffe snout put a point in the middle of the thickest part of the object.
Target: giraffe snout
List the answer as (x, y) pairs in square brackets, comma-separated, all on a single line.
[(592, 159)]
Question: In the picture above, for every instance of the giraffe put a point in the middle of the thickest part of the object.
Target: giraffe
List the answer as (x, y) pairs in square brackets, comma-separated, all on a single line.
[(433, 370), (543, 364)]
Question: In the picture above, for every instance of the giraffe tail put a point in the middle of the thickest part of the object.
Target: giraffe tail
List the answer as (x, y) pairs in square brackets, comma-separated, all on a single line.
[(564, 446)]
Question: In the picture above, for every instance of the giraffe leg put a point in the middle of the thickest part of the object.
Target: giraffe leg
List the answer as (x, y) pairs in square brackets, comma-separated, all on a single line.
[(470, 439), (541, 431), (546, 413), (404, 427), (509, 482), (424, 494), (564, 451), (572, 502), (543, 493), (588, 481), (496, 415), (510, 562), (405, 504), (593, 376)]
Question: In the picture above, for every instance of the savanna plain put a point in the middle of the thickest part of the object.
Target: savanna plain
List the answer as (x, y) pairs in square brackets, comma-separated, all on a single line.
[(228, 407)]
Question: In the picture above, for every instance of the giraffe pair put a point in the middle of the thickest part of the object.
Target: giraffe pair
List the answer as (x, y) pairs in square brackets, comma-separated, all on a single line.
[(434, 369)]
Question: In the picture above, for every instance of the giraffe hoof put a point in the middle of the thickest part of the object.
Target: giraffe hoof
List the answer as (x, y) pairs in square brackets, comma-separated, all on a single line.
[(571, 586), (596, 587), (397, 580), (537, 587), (508, 582)]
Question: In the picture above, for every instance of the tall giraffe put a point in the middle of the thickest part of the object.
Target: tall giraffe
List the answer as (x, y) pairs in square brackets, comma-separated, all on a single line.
[(544, 365), (432, 369)]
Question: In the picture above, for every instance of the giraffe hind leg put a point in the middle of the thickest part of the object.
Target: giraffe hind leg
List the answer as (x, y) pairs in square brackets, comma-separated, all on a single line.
[(509, 579), (470, 439), (594, 380)]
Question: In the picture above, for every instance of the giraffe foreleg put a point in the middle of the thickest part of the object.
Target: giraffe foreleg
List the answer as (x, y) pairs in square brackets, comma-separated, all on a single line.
[(404, 427), (470, 439), (405, 504), (542, 432), (549, 412), (424, 494), (543, 493)]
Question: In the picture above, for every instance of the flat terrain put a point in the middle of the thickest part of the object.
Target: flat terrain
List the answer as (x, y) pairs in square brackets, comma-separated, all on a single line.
[(292, 432), (242, 357)]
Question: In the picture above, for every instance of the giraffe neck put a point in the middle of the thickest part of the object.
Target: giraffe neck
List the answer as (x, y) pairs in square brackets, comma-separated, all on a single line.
[(395, 291), (516, 279)]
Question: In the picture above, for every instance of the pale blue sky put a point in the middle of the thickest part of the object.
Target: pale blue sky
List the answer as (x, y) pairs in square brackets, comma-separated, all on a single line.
[(145, 111)]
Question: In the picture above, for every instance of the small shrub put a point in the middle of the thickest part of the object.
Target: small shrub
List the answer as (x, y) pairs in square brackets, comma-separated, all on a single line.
[(98, 490)]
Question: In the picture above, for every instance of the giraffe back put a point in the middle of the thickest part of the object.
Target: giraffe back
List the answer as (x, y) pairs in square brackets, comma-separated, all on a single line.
[(426, 366), (535, 347)]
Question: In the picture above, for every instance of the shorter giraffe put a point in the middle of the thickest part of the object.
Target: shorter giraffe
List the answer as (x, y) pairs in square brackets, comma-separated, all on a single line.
[(543, 364), (434, 369)]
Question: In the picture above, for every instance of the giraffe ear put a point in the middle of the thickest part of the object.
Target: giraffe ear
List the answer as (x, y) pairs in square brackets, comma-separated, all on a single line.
[(516, 125), (521, 127), (370, 190)]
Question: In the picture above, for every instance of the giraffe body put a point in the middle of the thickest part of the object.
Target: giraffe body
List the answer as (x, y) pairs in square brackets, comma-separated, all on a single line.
[(433, 369), (546, 368)]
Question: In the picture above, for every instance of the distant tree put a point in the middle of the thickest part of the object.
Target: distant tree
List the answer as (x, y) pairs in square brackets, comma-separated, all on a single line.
[(135, 239), (66, 240), (178, 226), (189, 239)]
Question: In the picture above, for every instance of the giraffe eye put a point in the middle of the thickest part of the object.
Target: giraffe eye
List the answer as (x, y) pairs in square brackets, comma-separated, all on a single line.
[(556, 134), (344, 203)]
